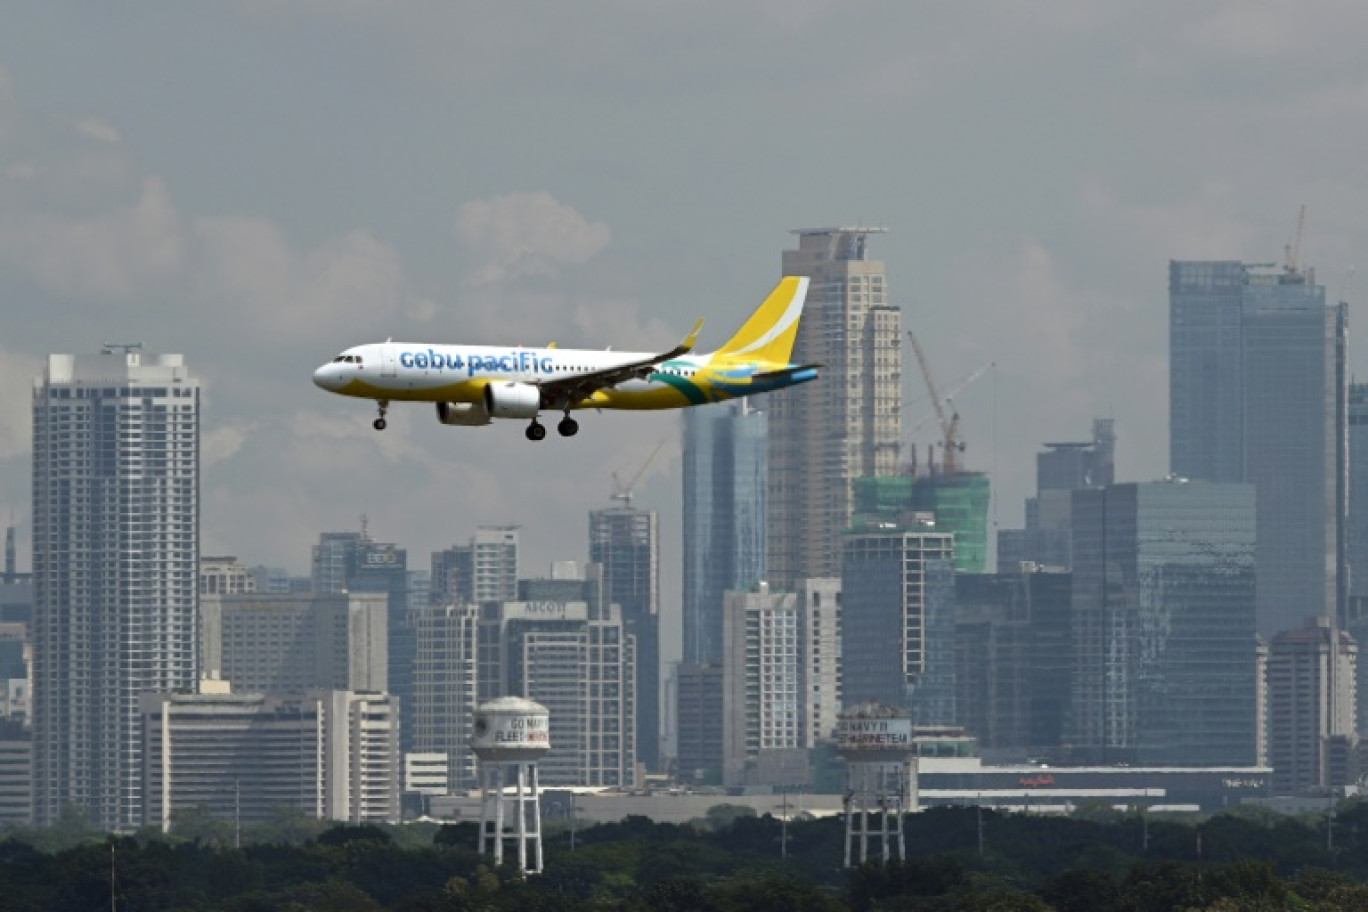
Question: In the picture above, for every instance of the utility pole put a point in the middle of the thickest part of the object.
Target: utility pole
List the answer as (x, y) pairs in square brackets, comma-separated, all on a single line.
[(980, 823)]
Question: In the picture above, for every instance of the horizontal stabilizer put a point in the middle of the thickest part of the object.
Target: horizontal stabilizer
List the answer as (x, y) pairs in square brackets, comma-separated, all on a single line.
[(793, 372)]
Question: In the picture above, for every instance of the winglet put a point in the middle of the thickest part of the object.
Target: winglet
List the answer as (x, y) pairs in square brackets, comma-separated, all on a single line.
[(689, 340), (551, 345)]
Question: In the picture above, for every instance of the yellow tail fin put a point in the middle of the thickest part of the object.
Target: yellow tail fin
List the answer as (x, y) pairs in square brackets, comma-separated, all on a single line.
[(769, 333)]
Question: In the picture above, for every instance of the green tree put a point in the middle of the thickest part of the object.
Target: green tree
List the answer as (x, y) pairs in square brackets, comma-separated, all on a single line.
[(722, 816)]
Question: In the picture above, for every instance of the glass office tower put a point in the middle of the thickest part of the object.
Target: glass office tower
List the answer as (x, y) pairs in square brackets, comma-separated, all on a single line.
[(725, 472), (1164, 624), (1258, 393), (625, 543)]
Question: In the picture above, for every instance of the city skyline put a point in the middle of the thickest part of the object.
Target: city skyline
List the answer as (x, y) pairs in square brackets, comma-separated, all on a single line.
[(563, 181)]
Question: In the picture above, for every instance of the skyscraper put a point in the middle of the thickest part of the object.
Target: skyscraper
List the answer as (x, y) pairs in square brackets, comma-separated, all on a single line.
[(897, 620), (1163, 621), (763, 738), (1061, 469), (483, 570), (625, 542), (262, 643), (577, 660), (354, 562), (116, 569), (725, 476), (1312, 695), (446, 688), (1258, 393), (847, 425)]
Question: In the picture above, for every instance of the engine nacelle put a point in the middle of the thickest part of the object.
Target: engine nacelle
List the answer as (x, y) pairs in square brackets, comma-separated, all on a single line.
[(510, 399), (466, 414)]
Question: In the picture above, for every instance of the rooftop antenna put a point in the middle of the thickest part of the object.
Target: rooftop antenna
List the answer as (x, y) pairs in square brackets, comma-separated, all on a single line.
[(1292, 251), (365, 527)]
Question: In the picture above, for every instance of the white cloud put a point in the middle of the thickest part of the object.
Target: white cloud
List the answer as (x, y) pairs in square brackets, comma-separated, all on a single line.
[(97, 129), (526, 234), (110, 255)]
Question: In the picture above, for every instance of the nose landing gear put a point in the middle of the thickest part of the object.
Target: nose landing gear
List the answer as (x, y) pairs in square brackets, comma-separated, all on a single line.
[(382, 405)]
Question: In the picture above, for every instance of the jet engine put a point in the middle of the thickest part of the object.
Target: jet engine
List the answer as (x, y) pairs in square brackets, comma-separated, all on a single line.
[(467, 414), (510, 399)]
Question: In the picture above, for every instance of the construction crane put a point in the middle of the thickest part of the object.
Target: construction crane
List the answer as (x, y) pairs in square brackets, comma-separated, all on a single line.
[(951, 445), (623, 492)]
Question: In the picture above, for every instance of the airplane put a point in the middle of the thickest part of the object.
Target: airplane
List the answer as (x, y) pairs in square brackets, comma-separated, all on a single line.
[(474, 384)]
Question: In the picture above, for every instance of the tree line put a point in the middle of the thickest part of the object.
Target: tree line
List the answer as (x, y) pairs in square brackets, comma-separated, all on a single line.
[(1097, 859)]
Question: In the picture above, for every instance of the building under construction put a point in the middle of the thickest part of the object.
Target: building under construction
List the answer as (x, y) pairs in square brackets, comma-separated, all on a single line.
[(959, 502)]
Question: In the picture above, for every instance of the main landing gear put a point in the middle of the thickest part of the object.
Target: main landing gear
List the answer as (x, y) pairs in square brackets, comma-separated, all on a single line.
[(566, 427), (382, 406)]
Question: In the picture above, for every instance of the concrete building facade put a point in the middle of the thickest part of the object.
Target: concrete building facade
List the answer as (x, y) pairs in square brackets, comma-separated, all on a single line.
[(824, 435), (263, 643), (333, 755), (1313, 696), (579, 661)]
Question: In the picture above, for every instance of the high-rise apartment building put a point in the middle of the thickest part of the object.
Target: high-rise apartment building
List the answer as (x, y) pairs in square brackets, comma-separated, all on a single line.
[(116, 446), (1258, 393), (262, 643), (897, 619), (849, 425), (820, 602), (762, 690), (625, 542), (483, 570), (1356, 536), (1312, 695), (354, 562), (225, 576), (1164, 639), (726, 458), (447, 688)]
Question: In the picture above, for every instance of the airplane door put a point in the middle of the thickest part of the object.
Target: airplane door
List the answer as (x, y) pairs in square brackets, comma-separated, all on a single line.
[(387, 361)]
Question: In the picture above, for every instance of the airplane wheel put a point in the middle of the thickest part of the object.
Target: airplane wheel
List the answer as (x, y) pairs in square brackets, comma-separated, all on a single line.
[(568, 427), (379, 424), (535, 431)]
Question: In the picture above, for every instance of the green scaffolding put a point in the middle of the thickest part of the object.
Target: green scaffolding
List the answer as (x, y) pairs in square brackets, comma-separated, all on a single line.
[(959, 502)]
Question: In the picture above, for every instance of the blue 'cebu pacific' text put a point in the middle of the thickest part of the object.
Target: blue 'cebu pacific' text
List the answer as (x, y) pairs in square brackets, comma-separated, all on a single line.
[(521, 361)]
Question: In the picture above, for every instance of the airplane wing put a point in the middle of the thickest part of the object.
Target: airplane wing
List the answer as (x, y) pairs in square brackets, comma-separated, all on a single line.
[(561, 391)]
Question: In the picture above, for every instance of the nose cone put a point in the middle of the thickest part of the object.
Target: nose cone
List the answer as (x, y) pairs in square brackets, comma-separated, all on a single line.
[(328, 377)]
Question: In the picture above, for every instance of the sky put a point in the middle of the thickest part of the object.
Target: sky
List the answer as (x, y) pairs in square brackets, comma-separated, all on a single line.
[(258, 184)]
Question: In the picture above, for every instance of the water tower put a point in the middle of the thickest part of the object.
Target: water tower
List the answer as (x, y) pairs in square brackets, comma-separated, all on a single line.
[(875, 740), (510, 735)]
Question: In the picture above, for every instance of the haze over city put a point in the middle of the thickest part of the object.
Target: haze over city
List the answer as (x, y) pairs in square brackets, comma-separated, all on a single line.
[(258, 186)]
